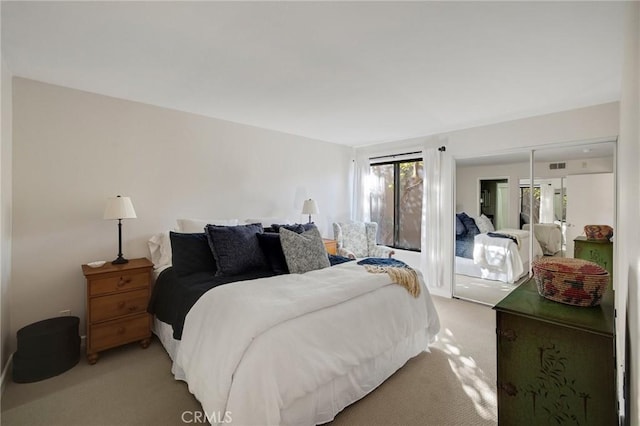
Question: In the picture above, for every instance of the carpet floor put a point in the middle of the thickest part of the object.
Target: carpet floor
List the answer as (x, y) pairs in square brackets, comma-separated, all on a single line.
[(482, 291), (453, 384)]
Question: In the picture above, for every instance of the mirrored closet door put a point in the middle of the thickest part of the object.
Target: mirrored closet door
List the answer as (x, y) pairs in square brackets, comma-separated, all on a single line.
[(574, 186), (489, 211), (513, 208)]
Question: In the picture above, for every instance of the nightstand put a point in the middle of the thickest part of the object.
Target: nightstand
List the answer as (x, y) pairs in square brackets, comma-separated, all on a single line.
[(117, 299), (330, 245)]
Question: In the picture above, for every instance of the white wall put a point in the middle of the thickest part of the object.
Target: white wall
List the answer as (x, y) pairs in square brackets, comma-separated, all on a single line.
[(5, 214), (627, 267), (74, 149), (467, 187), (467, 181)]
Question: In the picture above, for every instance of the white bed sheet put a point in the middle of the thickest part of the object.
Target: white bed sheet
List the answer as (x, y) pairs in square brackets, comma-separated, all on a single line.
[(371, 326), (499, 259)]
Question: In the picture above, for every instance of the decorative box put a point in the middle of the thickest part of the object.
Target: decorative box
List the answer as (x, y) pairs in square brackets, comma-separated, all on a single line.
[(575, 282), (598, 232)]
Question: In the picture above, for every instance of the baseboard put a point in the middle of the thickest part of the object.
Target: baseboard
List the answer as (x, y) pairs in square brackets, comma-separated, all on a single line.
[(5, 374)]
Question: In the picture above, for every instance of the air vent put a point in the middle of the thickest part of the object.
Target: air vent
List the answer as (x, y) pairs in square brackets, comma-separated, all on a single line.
[(555, 166)]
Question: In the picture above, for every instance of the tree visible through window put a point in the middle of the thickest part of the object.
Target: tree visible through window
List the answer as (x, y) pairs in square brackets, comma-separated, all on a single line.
[(396, 202)]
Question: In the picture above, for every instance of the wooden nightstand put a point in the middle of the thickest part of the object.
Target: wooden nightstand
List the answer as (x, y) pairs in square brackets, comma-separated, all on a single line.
[(117, 299), (330, 245)]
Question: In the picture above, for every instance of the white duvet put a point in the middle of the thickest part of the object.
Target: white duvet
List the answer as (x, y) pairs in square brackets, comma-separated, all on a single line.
[(253, 348), (503, 255)]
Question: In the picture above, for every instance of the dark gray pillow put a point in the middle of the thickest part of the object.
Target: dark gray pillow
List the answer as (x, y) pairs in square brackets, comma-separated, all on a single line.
[(304, 252), (236, 249), (272, 249), (191, 253), (295, 227)]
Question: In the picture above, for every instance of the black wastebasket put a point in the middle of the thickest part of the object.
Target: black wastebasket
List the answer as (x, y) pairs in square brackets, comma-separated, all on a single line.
[(46, 349)]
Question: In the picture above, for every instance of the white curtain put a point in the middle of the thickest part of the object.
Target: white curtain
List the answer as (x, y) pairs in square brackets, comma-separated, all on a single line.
[(547, 193), (360, 210), (436, 247)]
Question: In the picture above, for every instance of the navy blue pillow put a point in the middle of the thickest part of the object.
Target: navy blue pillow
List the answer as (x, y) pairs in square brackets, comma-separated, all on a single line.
[(298, 228), (191, 253), (469, 223), (460, 229), (272, 249), (236, 249)]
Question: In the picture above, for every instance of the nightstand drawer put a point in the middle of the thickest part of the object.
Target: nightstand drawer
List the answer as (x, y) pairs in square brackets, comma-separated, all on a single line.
[(118, 332), (118, 283), (116, 305)]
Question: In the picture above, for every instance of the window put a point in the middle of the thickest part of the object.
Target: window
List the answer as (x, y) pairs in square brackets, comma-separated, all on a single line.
[(396, 202)]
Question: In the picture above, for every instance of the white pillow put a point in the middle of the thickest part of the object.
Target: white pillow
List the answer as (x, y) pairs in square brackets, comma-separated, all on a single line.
[(190, 226), (484, 224), (160, 249)]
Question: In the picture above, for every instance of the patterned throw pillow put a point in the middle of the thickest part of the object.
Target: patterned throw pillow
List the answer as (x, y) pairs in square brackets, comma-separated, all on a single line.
[(236, 249), (304, 252)]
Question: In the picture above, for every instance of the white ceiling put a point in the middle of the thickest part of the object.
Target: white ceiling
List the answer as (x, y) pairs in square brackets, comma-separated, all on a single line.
[(353, 73)]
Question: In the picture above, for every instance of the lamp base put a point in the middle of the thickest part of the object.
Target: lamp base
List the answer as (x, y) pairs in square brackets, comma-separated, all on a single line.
[(120, 261)]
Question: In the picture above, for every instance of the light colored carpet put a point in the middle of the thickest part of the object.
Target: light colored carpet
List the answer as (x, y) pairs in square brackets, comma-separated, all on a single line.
[(454, 384), (483, 291)]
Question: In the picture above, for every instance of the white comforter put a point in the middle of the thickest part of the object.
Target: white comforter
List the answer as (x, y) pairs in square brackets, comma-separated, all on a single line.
[(253, 348), (503, 254)]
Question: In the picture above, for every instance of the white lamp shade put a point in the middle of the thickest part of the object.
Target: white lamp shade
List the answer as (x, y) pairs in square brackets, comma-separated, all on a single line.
[(119, 208), (309, 207)]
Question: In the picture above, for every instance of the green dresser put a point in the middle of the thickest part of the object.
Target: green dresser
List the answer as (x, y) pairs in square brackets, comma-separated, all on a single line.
[(556, 363), (598, 251)]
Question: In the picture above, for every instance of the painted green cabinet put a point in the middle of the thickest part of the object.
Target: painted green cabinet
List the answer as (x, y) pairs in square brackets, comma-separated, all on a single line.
[(556, 362), (598, 251)]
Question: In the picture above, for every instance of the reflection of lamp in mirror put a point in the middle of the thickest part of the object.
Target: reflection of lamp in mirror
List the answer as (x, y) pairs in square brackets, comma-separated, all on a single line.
[(119, 208), (309, 207)]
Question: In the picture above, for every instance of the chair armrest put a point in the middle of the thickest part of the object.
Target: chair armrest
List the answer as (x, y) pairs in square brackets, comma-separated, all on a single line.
[(382, 251), (346, 253)]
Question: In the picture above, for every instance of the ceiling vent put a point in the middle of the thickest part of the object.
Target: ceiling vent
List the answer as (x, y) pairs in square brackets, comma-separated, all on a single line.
[(556, 166)]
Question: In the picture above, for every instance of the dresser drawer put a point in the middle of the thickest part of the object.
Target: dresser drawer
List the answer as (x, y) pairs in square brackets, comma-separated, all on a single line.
[(119, 304), (118, 283), (114, 333)]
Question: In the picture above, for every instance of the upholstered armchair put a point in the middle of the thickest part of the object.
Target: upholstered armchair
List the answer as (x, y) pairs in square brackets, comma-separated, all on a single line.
[(358, 239)]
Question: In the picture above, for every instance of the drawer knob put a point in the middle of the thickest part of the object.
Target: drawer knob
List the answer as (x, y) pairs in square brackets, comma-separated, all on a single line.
[(123, 281), (121, 305), (133, 308), (121, 330)]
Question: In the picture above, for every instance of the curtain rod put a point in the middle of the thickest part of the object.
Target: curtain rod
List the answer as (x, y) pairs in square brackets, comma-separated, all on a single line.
[(395, 155), (441, 149)]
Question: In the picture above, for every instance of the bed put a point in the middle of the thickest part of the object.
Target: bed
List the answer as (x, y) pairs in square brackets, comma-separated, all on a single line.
[(289, 348), (549, 235), (483, 252), (497, 258)]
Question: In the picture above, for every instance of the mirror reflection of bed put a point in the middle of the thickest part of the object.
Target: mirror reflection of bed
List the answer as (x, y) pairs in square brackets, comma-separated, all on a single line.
[(568, 181)]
